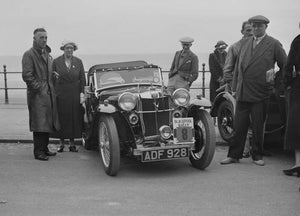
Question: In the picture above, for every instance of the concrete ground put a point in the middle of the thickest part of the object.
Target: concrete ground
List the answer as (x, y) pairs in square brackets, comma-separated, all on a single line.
[(75, 184)]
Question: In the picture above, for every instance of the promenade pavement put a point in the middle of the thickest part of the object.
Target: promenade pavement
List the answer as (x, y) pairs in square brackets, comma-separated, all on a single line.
[(14, 124)]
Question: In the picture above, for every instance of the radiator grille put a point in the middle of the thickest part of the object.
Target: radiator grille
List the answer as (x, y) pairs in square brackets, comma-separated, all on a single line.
[(155, 113)]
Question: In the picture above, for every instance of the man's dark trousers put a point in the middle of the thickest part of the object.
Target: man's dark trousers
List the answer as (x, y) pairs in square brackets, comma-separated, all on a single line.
[(243, 111), (40, 142)]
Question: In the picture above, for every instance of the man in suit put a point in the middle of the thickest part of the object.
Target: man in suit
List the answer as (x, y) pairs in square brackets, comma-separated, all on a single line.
[(255, 74), (184, 69), (41, 98)]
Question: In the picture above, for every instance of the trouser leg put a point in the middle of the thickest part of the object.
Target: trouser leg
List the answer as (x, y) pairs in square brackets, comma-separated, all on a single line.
[(297, 157), (241, 124), (258, 116), (46, 141), (40, 142)]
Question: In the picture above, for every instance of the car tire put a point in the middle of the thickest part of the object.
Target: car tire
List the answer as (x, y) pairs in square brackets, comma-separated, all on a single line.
[(109, 145), (205, 140), (225, 118)]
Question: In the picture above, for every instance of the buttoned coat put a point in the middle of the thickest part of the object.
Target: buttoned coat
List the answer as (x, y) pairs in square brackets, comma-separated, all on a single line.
[(68, 86), (252, 66), (37, 73), (188, 69), (292, 80)]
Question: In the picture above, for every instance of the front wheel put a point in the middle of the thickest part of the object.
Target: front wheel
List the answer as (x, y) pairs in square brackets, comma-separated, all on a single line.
[(109, 145), (205, 140)]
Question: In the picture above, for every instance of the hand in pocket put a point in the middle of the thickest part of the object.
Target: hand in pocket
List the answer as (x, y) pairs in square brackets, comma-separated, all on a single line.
[(270, 76)]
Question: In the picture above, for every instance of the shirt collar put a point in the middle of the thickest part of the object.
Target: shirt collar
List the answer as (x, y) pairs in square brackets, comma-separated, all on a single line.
[(259, 38)]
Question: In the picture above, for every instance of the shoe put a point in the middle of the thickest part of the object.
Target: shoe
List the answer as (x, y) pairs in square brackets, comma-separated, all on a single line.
[(41, 157), (49, 153), (259, 162), (73, 149), (229, 160), (291, 171), (61, 148)]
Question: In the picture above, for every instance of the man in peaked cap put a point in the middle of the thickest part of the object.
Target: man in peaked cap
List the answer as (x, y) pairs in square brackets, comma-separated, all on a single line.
[(184, 68), (254, 77)]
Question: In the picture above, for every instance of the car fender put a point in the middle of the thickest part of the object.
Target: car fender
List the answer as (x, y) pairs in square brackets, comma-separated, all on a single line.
[(203, 102), (219, 99), (106, 108)]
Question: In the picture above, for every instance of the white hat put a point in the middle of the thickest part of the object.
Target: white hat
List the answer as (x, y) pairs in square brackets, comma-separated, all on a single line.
[(66, 42)]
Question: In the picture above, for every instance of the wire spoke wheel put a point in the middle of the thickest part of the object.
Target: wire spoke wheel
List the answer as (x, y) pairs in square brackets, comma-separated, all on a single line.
[(109, 145)]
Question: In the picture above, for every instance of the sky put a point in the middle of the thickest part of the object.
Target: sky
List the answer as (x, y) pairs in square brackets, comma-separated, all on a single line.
[(140, 26)]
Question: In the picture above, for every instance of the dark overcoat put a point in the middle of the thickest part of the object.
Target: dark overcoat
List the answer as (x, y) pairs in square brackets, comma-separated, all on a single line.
[(37, 73), (68, 86), (292, 80), (216, 62), (252, 65)]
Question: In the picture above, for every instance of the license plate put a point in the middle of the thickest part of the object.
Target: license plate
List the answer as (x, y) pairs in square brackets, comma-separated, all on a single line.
[(183, 130), (165, 154)]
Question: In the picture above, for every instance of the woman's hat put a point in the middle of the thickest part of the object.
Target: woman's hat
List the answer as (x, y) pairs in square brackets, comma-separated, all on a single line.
[(67, 42), (221, 44)]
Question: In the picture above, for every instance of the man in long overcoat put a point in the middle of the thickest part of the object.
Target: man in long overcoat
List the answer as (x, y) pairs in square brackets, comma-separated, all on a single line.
[(184, 68), (255, 73), (37, 73)]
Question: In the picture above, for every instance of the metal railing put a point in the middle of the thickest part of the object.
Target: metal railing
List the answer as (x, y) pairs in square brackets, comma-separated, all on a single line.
[(6, 88)]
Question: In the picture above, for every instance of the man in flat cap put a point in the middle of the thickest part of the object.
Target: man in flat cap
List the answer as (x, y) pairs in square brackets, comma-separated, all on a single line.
[(41, 97), (184, 69), (255, 73)]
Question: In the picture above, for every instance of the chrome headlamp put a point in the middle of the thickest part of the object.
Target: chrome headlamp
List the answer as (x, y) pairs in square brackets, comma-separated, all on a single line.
[(181, 97), (127, 101)]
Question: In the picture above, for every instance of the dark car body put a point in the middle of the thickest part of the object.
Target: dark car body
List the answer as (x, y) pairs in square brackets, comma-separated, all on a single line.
[(129, 112)]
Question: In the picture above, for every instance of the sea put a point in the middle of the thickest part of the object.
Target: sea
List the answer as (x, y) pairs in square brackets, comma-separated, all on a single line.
[(163, 60)]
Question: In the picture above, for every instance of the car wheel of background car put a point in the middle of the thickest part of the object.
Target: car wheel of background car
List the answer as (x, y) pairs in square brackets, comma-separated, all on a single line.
[(205, 140), (225, 120), (109, 145)]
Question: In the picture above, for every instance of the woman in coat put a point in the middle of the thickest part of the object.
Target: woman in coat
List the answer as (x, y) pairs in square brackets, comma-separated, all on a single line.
[(69, 86), (292, 82), (216, 63)]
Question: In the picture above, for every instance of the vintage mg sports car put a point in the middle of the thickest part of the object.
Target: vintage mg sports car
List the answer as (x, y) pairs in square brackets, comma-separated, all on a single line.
[(129, 112)]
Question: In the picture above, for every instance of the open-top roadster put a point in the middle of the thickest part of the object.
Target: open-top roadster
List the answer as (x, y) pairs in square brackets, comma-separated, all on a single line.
[(129, 112)]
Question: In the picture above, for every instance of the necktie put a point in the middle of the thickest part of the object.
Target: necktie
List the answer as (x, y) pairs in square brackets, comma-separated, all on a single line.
[(255, 43)]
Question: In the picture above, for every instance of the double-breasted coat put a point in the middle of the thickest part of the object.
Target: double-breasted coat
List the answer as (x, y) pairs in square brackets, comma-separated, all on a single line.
[(252, 65), (41, 97), (68, 86)]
